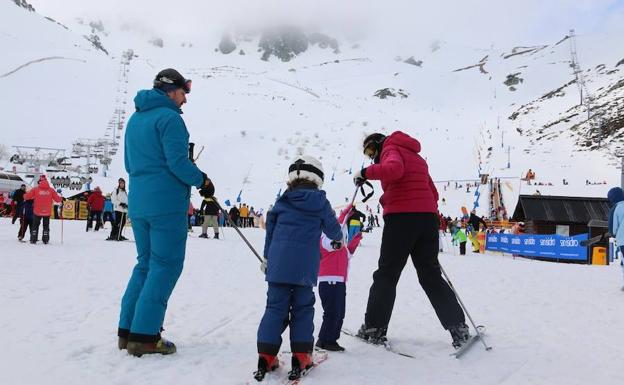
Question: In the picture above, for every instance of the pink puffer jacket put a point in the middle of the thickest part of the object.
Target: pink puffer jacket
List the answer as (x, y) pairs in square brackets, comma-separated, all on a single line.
[(335, 263)]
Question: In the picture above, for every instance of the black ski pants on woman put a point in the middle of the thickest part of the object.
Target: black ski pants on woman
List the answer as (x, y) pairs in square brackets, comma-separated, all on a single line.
[(415, 235), (118, 225)]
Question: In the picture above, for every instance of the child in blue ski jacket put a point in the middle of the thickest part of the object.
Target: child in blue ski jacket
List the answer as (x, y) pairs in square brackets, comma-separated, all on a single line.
[(292, 258)]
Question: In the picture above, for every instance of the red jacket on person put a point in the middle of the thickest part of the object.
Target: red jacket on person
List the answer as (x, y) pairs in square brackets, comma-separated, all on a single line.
[(42, 195), (96, 200), (404, 177)]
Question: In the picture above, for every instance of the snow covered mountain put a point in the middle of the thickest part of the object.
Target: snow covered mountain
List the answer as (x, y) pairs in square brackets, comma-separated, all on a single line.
[(261, 98)]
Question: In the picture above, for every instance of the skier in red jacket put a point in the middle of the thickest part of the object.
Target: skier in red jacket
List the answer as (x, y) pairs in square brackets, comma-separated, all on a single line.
[(410, 203), (42, 195), (96, 205)]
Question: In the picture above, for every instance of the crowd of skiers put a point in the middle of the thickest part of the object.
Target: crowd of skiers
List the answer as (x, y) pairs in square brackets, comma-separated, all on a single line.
[(34, 208)]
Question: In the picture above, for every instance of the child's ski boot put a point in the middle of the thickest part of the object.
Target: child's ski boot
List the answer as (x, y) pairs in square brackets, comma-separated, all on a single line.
[(266, 363), (301, 363)]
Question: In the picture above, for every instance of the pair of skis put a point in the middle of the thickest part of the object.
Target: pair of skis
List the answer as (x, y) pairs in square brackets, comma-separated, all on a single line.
[(318, 357), (457, 353)]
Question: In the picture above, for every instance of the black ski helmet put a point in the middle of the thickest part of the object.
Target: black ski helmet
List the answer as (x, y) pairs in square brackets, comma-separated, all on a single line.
[(372, 146), (171, 78)]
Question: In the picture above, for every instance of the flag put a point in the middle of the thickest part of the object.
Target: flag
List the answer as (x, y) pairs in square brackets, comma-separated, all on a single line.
[(227, 203), (238, 198)]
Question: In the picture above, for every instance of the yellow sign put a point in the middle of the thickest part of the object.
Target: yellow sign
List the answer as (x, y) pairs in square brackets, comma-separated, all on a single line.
[(83, 210), (69, 209)]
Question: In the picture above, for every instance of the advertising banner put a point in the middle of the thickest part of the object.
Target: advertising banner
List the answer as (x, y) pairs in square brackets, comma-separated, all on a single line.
[(553, 246)]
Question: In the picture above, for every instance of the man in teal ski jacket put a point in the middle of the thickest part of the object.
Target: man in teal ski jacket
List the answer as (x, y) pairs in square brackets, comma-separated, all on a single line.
[(161, 176)]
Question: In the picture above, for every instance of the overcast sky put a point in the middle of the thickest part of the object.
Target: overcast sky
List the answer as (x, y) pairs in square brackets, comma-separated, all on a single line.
[(474, 22)]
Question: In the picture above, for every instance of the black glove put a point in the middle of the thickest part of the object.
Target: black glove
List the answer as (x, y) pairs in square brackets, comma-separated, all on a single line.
[(207, 189), (360, 177), (123, 205), (336, 245)]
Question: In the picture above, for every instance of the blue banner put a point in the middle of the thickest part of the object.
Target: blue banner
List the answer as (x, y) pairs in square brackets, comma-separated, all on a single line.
[(554, 246)]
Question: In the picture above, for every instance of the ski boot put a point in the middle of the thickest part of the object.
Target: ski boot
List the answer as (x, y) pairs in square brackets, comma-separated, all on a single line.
[(216, 236), (45, 237), (122, 343), (460, 334), (375, 336), (122, 238), (266, 363), (162, 346), (301, 363), (34, 235), (331, 346), (203, 235)]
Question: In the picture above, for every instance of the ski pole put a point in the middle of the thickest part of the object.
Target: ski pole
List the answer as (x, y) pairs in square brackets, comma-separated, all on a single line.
[(62, 221), (465, 310), (227, 216), (121, 226)]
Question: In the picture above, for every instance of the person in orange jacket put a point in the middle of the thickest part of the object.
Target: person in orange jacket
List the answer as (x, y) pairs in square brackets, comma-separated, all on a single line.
[(43, 195)]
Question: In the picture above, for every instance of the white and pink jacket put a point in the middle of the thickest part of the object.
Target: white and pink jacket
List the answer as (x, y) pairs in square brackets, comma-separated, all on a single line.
[(335, 263)]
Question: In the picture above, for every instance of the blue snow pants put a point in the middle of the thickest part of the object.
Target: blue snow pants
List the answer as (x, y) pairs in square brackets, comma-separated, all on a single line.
[(333, 297), (161, 245), (292, 305)]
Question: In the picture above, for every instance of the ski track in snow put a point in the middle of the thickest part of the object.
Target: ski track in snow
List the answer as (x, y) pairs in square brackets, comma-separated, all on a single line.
[(548, 323), (39, 61)]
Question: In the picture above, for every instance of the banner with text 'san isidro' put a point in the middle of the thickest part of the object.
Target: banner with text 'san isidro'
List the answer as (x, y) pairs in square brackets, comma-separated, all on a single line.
[(553, 246)]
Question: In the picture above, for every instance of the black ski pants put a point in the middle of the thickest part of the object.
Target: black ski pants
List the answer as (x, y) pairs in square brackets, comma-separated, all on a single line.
[(462, 248), (34, 229), (415, 235), (120, 222), (97, 215), (18, 211)]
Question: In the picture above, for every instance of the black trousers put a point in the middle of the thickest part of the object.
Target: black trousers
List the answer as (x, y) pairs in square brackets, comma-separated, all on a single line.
[(120, 222), (18, 209), (333, 297), (34, 229), (25, 225), (415, 235), (97, 215), (462, 248)]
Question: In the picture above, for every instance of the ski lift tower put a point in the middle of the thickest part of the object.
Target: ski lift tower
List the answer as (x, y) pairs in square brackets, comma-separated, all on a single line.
[(585, 97)]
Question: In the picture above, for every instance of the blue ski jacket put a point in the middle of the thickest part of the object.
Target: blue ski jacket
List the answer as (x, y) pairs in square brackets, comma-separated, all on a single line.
[(156, 157), (293, 232)]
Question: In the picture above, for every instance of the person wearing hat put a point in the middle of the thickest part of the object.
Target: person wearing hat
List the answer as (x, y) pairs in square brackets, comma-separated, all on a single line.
[(291, 263), (107, 213), (119, 199), (410, 203), (616, 219), (96, 205), (18, 198), (43, 195), (156, 156)]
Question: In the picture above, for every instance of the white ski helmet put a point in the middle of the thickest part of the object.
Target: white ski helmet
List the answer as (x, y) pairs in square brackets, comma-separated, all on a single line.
[(306, 167)]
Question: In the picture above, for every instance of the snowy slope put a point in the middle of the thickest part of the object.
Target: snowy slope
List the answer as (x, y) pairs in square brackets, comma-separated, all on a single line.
[(549, 323), (254, 116), (61, 88)]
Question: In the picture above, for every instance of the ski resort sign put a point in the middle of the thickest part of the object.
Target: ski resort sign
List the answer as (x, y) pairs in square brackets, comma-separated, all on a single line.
[(553, 246)]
